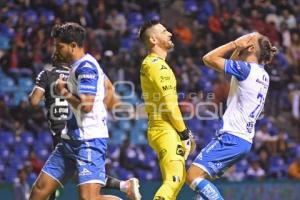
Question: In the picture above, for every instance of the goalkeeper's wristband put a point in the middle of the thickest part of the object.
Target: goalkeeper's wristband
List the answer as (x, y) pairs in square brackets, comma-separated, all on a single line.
[(184, 135)]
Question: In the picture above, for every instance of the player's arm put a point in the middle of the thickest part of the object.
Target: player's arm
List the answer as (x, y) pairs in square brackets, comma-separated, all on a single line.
[(87, 78), (111, 99), (216, 58), (37, 93)]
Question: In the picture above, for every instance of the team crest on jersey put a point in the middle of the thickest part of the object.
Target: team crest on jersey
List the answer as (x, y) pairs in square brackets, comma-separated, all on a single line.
[(154, 60), (163, 67), (180, 150)]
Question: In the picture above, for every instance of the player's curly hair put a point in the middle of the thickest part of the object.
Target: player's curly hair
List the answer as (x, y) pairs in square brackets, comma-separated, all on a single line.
[(267, 51), (69, 32), (145, 27)]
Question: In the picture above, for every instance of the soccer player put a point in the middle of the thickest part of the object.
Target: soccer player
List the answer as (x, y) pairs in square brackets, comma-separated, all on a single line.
[(84, 139), (167, 134), (58, 111), (248, 90)]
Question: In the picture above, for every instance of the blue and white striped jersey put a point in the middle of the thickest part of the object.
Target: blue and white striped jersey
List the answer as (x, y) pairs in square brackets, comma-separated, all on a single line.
[(87, 77), (248, 91)]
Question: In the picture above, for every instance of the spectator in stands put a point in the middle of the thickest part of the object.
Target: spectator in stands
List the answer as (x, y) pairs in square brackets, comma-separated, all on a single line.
[(255, 171), (21, 188), (294, 169)]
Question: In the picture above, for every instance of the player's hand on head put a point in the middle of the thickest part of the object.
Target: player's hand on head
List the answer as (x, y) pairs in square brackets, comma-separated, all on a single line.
[(246, 40), (188, 142)]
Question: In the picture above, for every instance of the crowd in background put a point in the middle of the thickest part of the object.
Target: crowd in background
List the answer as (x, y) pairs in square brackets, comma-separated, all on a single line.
[(112, 37)]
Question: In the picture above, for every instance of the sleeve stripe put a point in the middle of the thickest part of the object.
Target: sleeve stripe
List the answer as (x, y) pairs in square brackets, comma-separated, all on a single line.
[(38, 87)]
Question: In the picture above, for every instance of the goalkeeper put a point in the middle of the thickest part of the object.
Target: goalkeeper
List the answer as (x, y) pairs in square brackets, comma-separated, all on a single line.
[(167, 133)]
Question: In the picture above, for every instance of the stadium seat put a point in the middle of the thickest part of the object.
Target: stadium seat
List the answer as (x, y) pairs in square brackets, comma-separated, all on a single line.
[(124, 174), (152, 16), (18, 97), (49, 16), (31, 16), (4, 153), (7, 85), (190, 6), (4, 42), (137, 136), (27, 138), (10, 174), (118, 136), (124, 125), (41, 152), (135, 19), (2, 166), (7, 138), (25, 84), (45, 138), (22, 151)]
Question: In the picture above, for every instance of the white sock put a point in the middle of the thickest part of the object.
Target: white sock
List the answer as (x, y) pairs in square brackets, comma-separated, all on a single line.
[(123, 186)]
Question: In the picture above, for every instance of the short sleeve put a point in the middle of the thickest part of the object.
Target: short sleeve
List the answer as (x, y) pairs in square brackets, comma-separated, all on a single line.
[(41, 80), (87, 76), (238, 69)]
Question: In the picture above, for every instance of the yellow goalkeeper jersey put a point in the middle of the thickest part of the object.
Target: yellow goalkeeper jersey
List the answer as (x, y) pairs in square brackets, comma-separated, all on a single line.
[(159, 93)]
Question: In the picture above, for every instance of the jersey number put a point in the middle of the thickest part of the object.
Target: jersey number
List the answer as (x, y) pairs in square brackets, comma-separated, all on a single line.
[(259, 107)]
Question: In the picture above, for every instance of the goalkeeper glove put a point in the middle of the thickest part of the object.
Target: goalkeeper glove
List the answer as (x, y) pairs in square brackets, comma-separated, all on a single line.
[(188, 142)]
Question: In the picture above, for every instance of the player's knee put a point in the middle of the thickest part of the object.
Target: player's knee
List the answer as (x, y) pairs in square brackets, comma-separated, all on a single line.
[(193, 173), (175, 178)]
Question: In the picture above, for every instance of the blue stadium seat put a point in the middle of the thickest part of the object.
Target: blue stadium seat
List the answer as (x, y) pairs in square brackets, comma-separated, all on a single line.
[(45, 138), (124, 174), (7, 85), (2, 166), (152, 16), (4, 42), (41, 152), (50, 16), (22, 151), (31, 15), (137, 136), (18, 97), (10, 174), (7, 138), (4, 153), (190, 6), (125, 125), (27, 138), (135, 19), (25, 84), (144, 174), (118, 136), (141, 124)]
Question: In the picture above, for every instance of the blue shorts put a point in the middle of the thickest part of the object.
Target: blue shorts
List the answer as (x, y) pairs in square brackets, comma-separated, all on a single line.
[(221, 153), (86, 159)]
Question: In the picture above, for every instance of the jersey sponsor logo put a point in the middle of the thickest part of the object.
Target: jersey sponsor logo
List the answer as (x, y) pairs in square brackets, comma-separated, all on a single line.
[(264, 83), (180, 150), (164, 78), (159, 198), (167, 87), (154, 60), (87, 87), (162, 154), (250, 126), (163, 67), (85, 172), (87, 65), (87, 76)]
